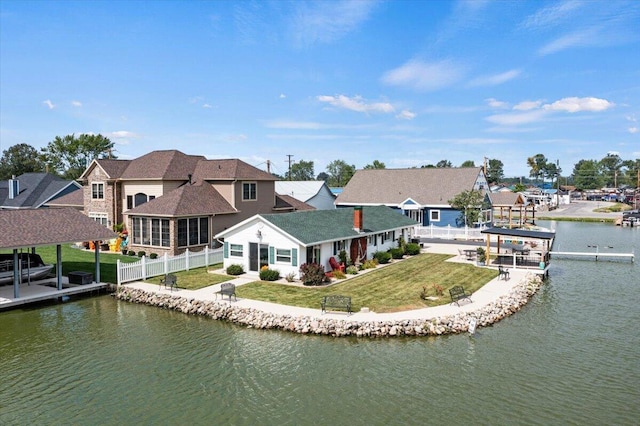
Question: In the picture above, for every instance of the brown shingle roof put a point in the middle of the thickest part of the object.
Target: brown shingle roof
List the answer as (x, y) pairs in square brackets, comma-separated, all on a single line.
[(74, 199), (114, 168), (187, 200), (506, 199), (42, 227), (162, 165), (288, 202), (229, 169), (428, 186)]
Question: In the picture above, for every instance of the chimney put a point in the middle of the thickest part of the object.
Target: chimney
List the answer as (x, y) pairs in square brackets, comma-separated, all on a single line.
[(14, 187), (357, 219)]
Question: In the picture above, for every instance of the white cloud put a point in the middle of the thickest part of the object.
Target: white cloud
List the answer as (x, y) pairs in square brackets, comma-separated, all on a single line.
[(551, 15), (356, 104), (206, 106), (424, 76), (77, 104), (406, 115), (123, 134), (495, 79), (527, 105), (325, 22), (575, 104), (516, 119), (633, 130), (494, 103), (581, 38), (49, 104), (295, 125), (282, 96)]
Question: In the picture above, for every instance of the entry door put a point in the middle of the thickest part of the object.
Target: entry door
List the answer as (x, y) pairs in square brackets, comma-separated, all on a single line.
[(254, 260)]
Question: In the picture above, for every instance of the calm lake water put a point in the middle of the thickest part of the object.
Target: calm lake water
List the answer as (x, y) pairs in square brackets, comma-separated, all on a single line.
[(571, 356)]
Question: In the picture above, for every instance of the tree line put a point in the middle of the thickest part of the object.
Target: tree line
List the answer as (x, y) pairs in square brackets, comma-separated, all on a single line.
[(69, 156)]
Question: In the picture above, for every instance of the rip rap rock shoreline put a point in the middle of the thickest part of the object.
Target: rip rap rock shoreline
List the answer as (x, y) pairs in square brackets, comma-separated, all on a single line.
[(484, 316)]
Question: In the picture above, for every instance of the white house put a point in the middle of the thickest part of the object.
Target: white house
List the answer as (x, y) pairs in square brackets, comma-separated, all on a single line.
[(287, 240)]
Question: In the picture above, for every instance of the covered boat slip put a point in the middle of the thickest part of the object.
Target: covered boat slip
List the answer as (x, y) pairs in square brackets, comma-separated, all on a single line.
[(27, 229), (43, 290), (519, 248)]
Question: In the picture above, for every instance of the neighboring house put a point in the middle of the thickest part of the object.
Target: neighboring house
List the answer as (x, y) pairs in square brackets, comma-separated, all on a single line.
[(421, 194), (316, 193), (170, 201), (34, 190), (73, 199), (286, 241)]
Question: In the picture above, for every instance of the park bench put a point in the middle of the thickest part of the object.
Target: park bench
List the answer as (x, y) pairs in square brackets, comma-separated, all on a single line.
[(457, 293), (227, 289), (503, 273), (170, 281), (336, 301)]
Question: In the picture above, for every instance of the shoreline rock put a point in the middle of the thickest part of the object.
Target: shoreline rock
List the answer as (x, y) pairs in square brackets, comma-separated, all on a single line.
[(485, 316)]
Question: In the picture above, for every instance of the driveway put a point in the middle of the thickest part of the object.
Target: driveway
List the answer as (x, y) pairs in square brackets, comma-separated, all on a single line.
[(580, 209)]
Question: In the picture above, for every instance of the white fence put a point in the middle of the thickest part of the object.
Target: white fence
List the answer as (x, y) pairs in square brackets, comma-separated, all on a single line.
[(450, 232), (146, 268)]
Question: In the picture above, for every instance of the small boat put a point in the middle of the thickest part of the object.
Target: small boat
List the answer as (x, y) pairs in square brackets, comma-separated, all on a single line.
[(31, 266)]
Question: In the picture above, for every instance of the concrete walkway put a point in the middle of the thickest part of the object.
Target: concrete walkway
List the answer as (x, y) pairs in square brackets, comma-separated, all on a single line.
[(487, 294)]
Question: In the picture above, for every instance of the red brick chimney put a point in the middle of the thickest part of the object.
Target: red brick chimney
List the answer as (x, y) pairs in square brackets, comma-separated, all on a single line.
[(357, 219)]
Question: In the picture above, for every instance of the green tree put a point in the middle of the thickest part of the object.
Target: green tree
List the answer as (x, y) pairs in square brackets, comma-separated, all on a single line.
[(339, 173), (18, 159), (302, 170), (611, 167), (375, 165), (469, 203), (631, 172), (444, 163), (428, 166), (323, 176), (536, 164), (519, 187), (468, 163), (587, 174), (69, 156), (495, 171)]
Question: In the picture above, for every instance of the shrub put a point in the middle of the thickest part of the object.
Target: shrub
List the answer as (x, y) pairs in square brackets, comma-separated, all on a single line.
[(290, 277), (312, 274), (141, 253), (343, 257), (382, 257), (339, 275), (413, 249), (153, 256), (396, 253), (352, 270), (269, 274), (402, 244), (132, 253), (235, 269), (370, 264)]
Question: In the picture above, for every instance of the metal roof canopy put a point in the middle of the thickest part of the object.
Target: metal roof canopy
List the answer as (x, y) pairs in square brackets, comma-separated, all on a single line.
[(524, 233)]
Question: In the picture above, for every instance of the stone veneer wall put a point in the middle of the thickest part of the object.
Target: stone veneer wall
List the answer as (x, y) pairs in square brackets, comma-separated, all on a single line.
[(253, 318)]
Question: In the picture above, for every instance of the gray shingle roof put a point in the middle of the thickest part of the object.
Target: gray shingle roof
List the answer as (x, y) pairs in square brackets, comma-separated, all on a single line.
[(229, 169), (162, 165), (428, 186), (40, 227), (316, 226), (34, 190), (187, 200)]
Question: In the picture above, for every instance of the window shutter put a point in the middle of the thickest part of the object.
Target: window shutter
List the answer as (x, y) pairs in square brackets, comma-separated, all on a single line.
[(271, 255), (226, 250), (294, 257)]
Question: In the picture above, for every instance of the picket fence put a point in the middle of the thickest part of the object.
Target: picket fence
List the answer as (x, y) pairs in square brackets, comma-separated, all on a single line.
[(147, 268), (450, 232)]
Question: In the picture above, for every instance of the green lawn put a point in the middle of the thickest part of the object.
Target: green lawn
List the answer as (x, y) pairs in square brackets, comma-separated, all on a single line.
[(195, 279), (391, 288)]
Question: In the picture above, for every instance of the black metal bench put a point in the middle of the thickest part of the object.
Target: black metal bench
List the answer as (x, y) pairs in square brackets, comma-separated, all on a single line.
[(170, 281), (457, 293), (336, 301), (503, 273), (227, 289)]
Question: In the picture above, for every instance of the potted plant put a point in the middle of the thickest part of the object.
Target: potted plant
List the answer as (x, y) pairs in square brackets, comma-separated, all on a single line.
[(481, 256)]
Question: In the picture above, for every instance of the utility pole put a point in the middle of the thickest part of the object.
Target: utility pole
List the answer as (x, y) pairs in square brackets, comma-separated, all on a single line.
[(269, 166), (289, 156)]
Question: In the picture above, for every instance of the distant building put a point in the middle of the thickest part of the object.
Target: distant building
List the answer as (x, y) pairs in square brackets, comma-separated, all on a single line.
[(34, 190), (315, 193)]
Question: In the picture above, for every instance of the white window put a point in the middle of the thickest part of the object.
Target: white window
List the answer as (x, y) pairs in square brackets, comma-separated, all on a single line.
[(434, 215), (249, 191), (236, 250), (283, 255), (97, 191), (101, 218)]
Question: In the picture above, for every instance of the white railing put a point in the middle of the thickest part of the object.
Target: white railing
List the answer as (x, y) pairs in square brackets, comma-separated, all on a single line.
[(146, 268), (450, 232)]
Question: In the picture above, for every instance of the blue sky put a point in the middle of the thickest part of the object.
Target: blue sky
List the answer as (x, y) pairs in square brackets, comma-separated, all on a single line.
[(407, 83)]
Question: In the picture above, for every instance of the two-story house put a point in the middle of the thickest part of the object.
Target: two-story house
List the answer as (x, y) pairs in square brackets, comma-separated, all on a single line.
[(170, 201)]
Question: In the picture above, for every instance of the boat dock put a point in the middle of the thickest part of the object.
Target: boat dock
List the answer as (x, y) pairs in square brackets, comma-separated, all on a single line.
[(592, 254), (44, 291)]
